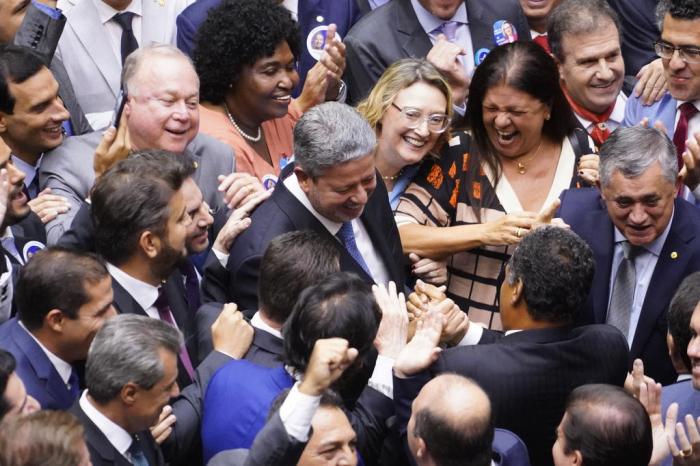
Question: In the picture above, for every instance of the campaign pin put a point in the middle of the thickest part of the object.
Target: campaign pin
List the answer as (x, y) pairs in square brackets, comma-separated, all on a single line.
[(316, 40), (480, 55), (674, 255), (504, 32), (31, 248), (319, 19)]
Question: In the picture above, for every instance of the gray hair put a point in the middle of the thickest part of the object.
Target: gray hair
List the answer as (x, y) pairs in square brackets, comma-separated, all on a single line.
[(331, 134), (125, 350), (633, 150), (662, 8), (143, 55), (578, 17)]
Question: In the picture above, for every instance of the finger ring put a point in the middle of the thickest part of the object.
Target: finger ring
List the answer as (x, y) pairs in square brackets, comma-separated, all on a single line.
[(686, 453), (519, 232)]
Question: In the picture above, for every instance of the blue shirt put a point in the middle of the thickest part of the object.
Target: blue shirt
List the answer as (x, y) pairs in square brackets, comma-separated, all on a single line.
[(401, 184)]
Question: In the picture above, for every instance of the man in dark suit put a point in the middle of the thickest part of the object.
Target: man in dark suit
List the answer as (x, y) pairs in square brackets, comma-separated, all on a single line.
[(63, 297), (292, 262), (141, 223), (644, 239), (131, 374), (31, 121), (332, 189), (528, 372), (311, 14), (409, 28)]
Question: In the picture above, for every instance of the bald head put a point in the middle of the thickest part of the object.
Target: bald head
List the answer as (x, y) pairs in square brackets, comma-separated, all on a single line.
[(451, 423)]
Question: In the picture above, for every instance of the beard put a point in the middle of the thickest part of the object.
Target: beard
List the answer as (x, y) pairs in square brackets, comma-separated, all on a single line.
[(166, 262)]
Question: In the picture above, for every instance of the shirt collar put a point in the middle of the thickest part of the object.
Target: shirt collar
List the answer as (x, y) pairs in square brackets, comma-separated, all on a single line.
[(117, 436), (292, 184), (106, 12), (63, 368), (260, 324), (429, 22), (618, 113), (26, 168), (655, 246), (694, 102), (143, 293)]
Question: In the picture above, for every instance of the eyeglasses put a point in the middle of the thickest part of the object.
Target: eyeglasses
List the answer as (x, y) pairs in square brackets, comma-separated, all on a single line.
[(437, 122), (687, 53)]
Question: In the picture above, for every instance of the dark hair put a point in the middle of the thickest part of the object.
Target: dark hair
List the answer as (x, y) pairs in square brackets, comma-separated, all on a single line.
[(236, 34), (56, 278), (17, 64), (133, 197), (608, 426), (7, 367), (329, 399), (556, 268), (684, 9), (524, 66), (291, 263), (342, 306), (683, 303), (578, 17)]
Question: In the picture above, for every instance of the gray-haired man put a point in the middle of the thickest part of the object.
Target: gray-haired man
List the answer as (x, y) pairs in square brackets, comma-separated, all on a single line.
[(332, 188), (130, 376), (645, 241)]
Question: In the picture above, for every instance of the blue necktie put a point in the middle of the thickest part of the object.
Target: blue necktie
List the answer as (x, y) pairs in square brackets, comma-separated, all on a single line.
[(138, 458), (74, 384), (347, 237)]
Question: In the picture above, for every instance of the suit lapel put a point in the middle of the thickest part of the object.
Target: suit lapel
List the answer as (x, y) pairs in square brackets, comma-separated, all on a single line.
[(603, 250), (45, 371), (88, 28), (668, 273), (480, 29), (124, 302), (175, 291), (96, 440), (416, 42)]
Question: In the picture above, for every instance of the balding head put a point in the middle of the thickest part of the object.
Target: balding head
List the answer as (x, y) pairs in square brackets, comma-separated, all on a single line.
[(451, 423)]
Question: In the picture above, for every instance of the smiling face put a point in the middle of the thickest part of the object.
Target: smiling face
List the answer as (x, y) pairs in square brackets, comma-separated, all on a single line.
[(264, 90), (513, 120), (16, 396), (17, 207), (198, 211), (341, 192), (593, 70), (163, 106), (398, 145), (640, 207), (34, 126), (683, 78), (333, 442), (694, 347)]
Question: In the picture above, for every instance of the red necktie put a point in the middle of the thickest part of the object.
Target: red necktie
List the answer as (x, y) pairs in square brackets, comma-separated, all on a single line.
[(680, 135), (600, 131), (166, 315), (543, 42)]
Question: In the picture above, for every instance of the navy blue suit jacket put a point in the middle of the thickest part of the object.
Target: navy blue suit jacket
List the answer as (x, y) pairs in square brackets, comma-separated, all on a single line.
[(40, 377), (585, 211), (312, 13)]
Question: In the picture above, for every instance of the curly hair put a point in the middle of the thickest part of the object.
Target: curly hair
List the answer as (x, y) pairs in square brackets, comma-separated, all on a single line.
[(236, 34)]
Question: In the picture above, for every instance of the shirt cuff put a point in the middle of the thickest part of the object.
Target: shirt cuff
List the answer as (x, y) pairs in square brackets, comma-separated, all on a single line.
[(222, 257), (296, 413), (54, 13), (473, 335), (382, 378)]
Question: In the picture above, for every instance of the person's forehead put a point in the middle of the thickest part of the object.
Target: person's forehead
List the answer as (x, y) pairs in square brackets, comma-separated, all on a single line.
[(331, 425), (166, 73)]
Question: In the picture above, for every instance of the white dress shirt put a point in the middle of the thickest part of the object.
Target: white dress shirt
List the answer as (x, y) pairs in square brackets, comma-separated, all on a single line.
[(364, 242), (116, 435), (644, 265), (615, 119), (63, 368), (260, 324), (143, 293), (297, 411), (114, 30), (6, 291)]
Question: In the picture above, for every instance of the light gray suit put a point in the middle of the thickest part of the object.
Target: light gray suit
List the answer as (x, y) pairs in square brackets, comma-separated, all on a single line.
[(41, 32), (92, 65), (68, 171)]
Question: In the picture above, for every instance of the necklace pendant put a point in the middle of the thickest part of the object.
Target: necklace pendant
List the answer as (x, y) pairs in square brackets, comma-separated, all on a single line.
[(521, 168)]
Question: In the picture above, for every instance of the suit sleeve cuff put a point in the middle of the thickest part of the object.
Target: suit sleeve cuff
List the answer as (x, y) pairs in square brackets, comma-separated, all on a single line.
[(473, 335), (382, 379), (296, 413)]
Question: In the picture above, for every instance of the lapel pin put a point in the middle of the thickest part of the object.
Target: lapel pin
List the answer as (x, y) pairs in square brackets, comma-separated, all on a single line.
[(674, 255), (195, 165)]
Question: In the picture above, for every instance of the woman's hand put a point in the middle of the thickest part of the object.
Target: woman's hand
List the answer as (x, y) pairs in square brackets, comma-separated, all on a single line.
[(323, 79), (509, 229)]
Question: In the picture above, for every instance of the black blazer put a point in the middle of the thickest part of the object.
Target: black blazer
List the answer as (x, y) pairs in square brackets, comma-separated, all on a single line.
[(392, 32), (584, 210), (175, 291), (283, 213), (529, 374), (266, 349), (102, 453)]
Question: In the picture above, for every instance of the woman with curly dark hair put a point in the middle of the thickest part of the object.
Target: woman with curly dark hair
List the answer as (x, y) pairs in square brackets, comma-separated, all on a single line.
[(245, 56)]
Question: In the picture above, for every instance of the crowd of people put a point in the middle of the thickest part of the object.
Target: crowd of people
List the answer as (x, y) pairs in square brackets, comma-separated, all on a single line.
[(342, 232)]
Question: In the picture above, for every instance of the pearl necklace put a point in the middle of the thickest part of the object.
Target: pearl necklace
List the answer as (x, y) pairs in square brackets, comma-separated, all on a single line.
[(393, 177), (240, 131)]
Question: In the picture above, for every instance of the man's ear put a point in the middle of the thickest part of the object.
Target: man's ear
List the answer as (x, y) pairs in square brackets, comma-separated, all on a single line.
[(55, 319), (150, 244), (303, 178), (3, 122), (518, 293), (129, 393)]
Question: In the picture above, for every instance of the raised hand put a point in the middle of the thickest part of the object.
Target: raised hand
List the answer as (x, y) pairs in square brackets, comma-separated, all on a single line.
[(164, 426), (231, 334), (393, 328), (423, 349), (238, 188), (329, 358)]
